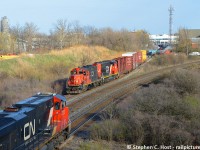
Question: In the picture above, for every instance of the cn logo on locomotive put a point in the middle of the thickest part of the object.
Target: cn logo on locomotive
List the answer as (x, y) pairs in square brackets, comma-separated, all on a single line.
[(28, 128)]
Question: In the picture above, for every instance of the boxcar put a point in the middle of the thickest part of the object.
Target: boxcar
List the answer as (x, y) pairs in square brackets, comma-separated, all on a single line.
[(144, 55), (134, 57), (139, 58)]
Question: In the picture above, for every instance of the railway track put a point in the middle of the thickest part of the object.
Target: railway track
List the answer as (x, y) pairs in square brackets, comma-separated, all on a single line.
[(87, 105)]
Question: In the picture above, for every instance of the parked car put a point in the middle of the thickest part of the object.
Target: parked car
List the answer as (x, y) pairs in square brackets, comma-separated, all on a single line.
[(194, 54)]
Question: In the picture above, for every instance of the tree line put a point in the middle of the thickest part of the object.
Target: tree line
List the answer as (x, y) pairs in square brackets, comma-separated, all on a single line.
[(65, 34), (27, 38)]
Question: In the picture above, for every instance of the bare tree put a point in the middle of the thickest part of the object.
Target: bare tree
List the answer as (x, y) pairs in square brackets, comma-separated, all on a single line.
[(29, 33), (141, 39), (17, 33), (62, 29), (77, 34), (184, 43), (43, 42), (93, 35)]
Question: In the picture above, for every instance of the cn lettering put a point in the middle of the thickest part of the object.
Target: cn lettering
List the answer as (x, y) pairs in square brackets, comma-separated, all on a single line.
[(28, 129)]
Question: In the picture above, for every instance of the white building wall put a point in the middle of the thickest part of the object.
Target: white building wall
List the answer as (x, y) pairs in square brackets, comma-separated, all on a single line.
[(162, 39)]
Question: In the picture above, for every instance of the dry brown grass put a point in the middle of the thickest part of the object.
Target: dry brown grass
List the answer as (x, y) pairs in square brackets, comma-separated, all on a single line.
[(97, 53), (31, 73)]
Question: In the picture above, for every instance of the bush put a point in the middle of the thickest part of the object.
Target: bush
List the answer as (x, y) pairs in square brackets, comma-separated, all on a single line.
[(185, 82), (163, 100), (12, 89), (164, 113), (131, 124), (104, 130), (171, 59)]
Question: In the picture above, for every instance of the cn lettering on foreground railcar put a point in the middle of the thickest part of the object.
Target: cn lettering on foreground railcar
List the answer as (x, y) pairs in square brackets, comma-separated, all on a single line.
[(30, 123)]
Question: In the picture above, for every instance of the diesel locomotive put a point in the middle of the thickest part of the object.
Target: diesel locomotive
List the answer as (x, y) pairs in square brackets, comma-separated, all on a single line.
[(87, 77), (32, 122)]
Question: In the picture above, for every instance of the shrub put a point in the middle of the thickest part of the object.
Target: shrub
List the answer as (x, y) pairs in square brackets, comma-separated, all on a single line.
[(184, 81), (12, 89), (157, 115), (171, 59), (104, 130)]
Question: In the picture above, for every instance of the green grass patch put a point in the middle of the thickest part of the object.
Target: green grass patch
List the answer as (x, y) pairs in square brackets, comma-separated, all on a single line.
[(192, 101), (94, 146)]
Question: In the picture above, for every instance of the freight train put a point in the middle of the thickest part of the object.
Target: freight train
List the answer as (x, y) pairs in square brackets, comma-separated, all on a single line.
[(98, 73), (32, 122)]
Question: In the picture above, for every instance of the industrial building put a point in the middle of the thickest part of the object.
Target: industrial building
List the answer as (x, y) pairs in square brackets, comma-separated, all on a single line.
[(163, 39)]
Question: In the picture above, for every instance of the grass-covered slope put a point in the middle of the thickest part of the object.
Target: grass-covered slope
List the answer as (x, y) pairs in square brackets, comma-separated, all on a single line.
[(31, 73), (55, 63)]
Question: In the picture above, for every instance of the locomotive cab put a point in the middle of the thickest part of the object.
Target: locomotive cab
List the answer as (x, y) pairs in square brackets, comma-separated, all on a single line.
[(113, 68), (78, 80), (60, 114), (78, 77), (82, 79)]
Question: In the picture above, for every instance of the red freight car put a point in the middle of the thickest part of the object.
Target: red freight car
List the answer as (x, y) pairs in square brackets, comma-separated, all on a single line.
[(134, 56), (128, 64), (125, 64), (139, 58)]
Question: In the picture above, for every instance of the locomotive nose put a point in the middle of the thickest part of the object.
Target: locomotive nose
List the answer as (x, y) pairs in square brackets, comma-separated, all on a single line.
[(75, 80)]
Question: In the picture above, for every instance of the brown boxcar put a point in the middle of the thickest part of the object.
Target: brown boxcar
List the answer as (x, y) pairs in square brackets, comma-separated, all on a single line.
[(139, 58), (133, 55), (128, 64), (125, 64)]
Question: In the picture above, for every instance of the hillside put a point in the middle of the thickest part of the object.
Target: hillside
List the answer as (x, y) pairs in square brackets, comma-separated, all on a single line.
[(31, 73)]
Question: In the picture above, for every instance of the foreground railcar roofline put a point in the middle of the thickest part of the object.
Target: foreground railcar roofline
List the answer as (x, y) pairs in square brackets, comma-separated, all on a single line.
[(8, 119), (39, 98)]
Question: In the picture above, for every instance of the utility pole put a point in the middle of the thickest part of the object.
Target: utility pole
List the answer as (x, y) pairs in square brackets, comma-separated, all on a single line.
[(171, 9)]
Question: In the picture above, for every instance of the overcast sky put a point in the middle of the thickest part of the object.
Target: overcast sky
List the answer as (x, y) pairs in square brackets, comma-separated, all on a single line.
[(151, 15)]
